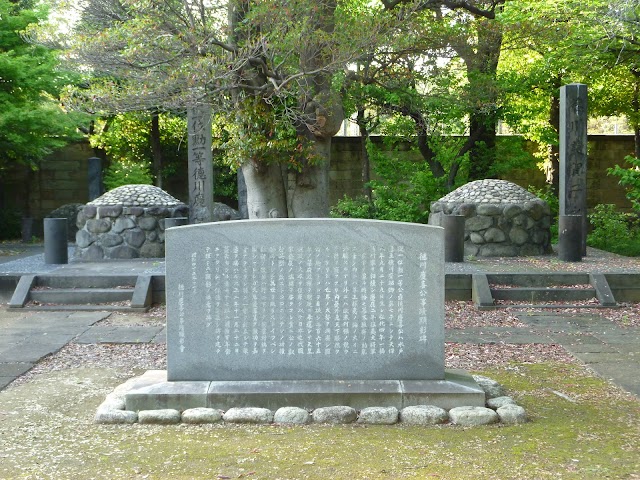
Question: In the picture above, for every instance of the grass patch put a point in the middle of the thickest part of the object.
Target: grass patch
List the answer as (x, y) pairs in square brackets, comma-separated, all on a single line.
[(581, 427)]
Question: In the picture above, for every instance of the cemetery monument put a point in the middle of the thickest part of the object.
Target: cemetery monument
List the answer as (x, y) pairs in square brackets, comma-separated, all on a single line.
[(308, 313), (573, 172)]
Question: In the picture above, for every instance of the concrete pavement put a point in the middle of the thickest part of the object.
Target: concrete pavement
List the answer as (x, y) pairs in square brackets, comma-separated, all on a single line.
[(610, 351)]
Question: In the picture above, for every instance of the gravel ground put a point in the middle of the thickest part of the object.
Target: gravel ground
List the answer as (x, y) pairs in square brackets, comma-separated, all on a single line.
[(628, 315), (463, 314), (596, 261), (132, 358)]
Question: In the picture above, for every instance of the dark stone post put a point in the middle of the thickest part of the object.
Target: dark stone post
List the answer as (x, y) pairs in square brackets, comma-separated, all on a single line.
[(570, 238), (243, 208), (94, 174), (55, 241), (573, 155), (26, 229), (200, 164), (453, 237)]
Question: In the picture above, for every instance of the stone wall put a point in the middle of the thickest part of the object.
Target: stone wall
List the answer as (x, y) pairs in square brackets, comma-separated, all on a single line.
[(62, 178), (502, 230), (119, 232), (604, 151)]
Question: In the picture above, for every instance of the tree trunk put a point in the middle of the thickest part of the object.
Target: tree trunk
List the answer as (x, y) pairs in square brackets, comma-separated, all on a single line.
[(322, 118), (552, 165), (482, 65), (366, 163), (99, 152), (266, 195), (482, 156), (156, 149), (308, 197), (635, 120)]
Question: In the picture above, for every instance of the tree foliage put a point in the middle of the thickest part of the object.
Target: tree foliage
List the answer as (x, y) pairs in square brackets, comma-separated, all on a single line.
[(551, 43), (281, 74), (126, 137), (630, 179), (32, 120)]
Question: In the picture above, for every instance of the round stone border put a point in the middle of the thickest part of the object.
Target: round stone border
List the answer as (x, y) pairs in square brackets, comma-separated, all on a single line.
[(499, 409)]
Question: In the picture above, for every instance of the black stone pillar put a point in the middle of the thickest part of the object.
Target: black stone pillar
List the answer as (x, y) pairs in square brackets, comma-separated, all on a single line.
[(55, 241), (26, 229), (200, 164), (570, 238), (94, 174), (573, 154), (453, 237)]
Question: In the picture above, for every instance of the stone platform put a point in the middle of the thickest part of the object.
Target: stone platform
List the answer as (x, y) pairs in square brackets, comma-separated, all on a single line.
[(153, 392)]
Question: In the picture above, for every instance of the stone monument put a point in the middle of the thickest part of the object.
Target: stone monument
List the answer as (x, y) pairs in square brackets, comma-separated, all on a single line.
[(573, 159), (200, 164), (306, 313)]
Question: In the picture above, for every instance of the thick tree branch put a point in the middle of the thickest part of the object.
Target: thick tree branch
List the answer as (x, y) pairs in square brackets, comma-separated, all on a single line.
[(467, 5)]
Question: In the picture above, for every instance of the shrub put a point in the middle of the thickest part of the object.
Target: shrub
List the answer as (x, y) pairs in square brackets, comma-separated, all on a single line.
[(402, 191), (11, 222), (126, 172), (614, 231), (629, 178)]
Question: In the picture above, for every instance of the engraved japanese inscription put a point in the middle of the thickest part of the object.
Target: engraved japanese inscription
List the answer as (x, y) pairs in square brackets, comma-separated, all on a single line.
[(281, 300)]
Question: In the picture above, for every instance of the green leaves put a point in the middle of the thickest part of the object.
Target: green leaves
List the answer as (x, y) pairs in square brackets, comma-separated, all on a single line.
[(32, 122), (629, 178)]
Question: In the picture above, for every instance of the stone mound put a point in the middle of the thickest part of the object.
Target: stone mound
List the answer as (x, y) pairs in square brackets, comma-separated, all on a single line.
[(126, 222), (137, 196), (502, 219), (489, 191), (70, 212)]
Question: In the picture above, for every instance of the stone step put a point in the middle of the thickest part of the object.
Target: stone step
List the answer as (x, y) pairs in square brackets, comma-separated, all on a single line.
[(78, 296), (36, 292), (524, 306), (84, 308), (534, 288), (543, 294), (538, 279), (86, 281)]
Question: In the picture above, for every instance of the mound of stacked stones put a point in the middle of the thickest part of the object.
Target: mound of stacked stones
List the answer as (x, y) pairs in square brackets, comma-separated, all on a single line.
[(126, 222), (70, 212), (502, 219)]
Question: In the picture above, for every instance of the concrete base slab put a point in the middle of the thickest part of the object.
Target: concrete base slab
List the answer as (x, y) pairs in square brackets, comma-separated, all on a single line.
[(4, 381), (457, 389), (13, 370)]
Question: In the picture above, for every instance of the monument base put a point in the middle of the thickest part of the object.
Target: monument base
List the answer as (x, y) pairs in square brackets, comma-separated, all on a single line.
[(153, 392)]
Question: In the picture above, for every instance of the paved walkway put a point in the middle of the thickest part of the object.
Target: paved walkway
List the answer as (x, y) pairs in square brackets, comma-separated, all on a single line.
[(28, 337), (612, 352)]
